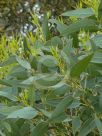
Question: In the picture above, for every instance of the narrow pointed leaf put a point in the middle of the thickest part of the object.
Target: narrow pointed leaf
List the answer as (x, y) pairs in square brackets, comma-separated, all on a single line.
[(79, 13), (87, 127), (100, 10), (45, 28), (99, 125), (79, 67), (60, 108)]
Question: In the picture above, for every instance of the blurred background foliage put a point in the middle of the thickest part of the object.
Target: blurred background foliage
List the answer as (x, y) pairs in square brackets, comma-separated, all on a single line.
[(15, 14)]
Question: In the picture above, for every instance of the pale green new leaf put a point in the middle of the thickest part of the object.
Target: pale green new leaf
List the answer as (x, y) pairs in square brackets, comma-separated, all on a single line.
[(100, 10), (5, 110), (86, 24)]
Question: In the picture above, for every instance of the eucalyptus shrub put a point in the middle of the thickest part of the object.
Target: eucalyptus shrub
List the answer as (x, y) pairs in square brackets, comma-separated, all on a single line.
[(54, 87)]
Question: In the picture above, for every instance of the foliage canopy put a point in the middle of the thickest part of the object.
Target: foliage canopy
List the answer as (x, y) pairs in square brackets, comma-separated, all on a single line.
[(54, 82)]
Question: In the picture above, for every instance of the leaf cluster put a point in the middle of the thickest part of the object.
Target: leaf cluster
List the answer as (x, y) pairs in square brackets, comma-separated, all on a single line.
[(55, 86)]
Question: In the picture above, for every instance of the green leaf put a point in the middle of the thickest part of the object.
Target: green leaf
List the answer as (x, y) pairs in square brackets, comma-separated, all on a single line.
[(76, 103), (48, 61), (7, 126), (60, 27), (25, 45), (60, 108), (12, 83), (99, 125), (61, 118), (23, 63), (87, 127), (9, 82), (5, 110), (9, 93), (76, 124), (97, 58), (31, 95), (24, 113), (40, 129), (60, 88), (79, 67), (46, 113), (30, 80), (45, 28), (100, 10), (86, 24), (100, 100), (24, 128), (55, 41), (98, 40), (47, 81), (79, 13), (10, 60), (19, 72)]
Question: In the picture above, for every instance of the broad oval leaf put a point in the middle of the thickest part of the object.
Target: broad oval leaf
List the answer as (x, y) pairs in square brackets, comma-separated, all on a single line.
[(25, 113)]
